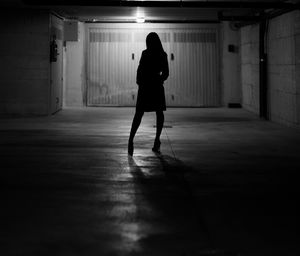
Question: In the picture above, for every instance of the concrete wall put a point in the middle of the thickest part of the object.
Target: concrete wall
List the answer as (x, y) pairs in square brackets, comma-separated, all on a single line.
[(297, 44), (231, 82), (24, 62), (56, 67), (250, 67), (74, 87), (283, 68), (283, 49)]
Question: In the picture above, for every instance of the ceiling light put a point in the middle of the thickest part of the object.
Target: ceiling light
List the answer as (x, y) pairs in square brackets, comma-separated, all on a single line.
[(140, 19)]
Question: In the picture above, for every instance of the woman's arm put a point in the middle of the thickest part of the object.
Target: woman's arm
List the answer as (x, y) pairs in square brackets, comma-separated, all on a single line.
[(139, 73), (165, 68)]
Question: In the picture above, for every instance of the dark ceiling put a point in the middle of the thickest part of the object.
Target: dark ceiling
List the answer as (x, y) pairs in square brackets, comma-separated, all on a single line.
[(155, 11)]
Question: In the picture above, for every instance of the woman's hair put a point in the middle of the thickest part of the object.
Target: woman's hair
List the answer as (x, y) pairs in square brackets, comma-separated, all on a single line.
[(153, 42)]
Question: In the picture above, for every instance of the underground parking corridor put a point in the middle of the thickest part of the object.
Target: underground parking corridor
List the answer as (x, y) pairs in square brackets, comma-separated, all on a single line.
[(225, 183), (149, 128)]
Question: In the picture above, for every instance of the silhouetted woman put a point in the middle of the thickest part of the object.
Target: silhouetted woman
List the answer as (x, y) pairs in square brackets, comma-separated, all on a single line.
[(152, 71)]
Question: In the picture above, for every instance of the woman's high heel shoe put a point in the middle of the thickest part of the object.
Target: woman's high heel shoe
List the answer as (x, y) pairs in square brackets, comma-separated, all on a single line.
[(130, 148), (156, 147)]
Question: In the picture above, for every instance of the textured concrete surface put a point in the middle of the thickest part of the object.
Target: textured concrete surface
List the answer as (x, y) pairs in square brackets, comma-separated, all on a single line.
[(24, 62), (231, 65), (283, 49), (74, 70), (249, 49), (225, 184)]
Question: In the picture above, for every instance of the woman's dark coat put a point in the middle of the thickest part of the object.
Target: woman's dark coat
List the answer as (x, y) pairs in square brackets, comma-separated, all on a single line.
[(152, 71)]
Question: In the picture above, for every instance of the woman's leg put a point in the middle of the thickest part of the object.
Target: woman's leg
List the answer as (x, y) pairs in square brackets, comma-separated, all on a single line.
[(135, 124), (160, 118), (134, 127)]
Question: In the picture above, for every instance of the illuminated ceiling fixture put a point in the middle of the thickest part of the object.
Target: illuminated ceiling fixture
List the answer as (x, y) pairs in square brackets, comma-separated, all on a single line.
[(140, 19), (140, 15)]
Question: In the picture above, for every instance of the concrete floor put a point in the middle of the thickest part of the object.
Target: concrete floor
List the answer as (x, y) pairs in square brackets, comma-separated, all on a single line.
[(225, 184)]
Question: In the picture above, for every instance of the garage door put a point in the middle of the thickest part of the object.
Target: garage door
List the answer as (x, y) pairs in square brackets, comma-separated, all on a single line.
[(113, 54)]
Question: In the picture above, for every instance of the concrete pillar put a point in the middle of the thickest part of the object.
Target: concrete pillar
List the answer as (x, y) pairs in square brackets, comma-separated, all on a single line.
[(231, 78), (283, 68), (74, 91), (297, 51), (250, 67)]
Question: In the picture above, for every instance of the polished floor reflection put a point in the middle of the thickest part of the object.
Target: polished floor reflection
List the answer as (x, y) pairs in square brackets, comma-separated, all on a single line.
[(225, 184)]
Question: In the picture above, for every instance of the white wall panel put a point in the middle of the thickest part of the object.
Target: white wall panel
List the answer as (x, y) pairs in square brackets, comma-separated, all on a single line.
[(114, 53)]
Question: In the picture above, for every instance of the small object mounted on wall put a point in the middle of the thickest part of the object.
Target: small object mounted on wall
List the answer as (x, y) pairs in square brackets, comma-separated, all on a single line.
[(71, 30), (234, 105), (232, 48)]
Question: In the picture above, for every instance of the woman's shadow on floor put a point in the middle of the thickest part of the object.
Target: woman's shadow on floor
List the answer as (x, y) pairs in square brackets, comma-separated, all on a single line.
[(165, 202)]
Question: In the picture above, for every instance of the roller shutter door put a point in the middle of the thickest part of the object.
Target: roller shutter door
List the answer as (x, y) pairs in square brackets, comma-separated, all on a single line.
[(113, 54)]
